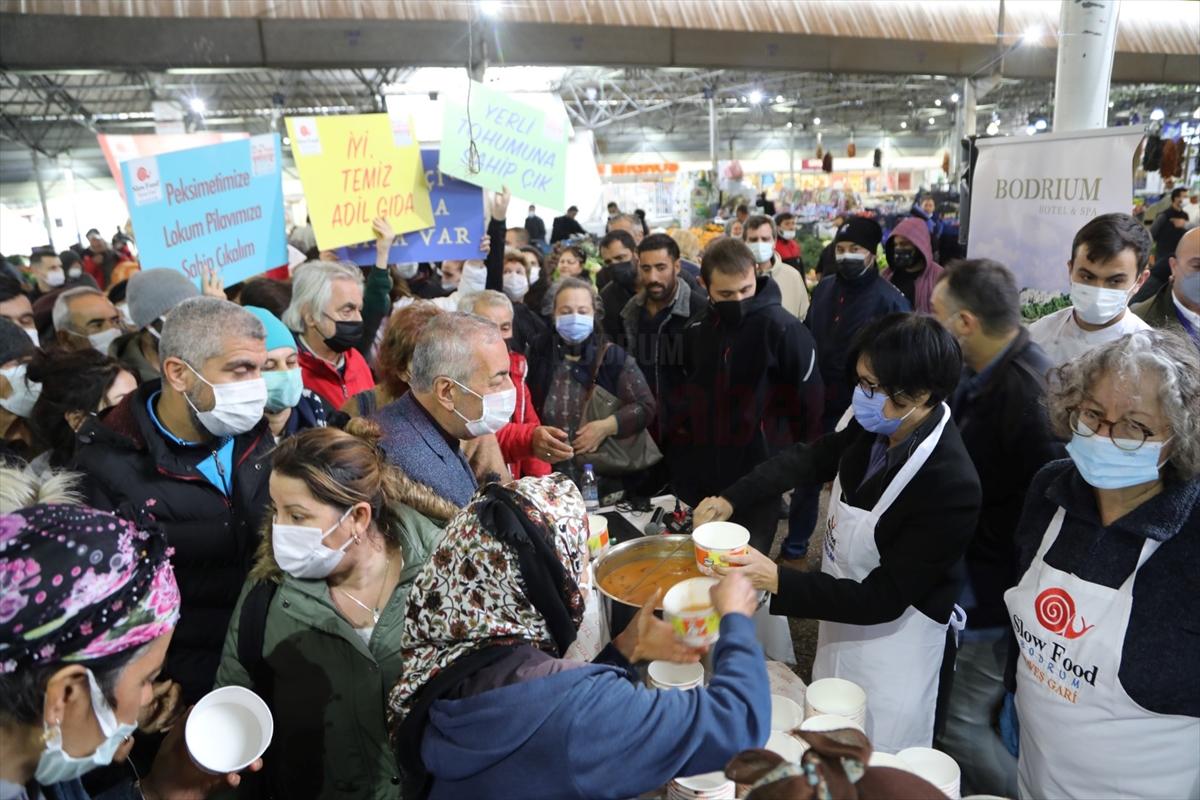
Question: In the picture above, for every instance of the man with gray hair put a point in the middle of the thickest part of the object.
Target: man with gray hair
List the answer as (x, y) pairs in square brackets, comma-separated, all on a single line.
[(192, 449), (84, 317), (459, 389), (326, 314)]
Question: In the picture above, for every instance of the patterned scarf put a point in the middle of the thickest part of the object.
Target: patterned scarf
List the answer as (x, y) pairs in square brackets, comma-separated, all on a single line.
[(79, 585), (472, 593)]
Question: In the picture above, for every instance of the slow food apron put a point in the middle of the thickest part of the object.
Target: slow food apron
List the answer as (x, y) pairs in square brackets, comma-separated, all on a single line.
[(896, 662), (1081, 734)]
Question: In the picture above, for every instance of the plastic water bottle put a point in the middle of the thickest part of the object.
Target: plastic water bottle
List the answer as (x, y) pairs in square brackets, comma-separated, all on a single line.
[(591, 492)]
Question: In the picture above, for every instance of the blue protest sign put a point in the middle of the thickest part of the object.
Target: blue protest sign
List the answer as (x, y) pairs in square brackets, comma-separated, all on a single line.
[(458, 224), (218, 207)]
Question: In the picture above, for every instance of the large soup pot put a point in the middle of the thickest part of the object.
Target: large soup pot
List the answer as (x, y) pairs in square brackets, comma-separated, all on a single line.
[(648, 547)]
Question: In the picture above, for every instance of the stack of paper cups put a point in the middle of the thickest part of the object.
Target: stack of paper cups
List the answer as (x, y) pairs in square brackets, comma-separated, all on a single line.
[(670, 675), (836, 696), (936, 767), (710, 786), (879, 759)]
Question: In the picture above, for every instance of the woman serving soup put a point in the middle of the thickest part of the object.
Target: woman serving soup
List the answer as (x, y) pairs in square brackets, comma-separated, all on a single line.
[(905, 501)]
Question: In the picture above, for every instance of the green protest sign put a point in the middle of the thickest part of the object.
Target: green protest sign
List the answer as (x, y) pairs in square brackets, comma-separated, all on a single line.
[(519, 146)]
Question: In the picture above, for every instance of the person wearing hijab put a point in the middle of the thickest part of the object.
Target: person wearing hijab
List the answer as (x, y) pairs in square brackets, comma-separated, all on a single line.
[(494, 699), (88, 608)]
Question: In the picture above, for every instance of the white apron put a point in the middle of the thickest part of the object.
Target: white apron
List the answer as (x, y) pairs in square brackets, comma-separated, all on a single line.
[(897, 662), (1081, 734)]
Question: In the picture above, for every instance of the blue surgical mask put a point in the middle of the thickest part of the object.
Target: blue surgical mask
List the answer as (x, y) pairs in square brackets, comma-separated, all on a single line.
[(1189, 287), (869, 412), (1106, 466), (283, 389), (56, 766), (574, 328)]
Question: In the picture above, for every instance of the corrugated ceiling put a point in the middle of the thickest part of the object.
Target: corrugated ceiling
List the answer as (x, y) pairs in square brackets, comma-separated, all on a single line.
[(1146, 26)]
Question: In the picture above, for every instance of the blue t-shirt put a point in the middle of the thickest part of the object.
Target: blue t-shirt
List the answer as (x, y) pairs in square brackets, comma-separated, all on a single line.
[(218, 467)]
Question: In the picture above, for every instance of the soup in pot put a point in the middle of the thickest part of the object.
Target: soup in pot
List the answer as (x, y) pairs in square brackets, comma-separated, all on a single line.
[(637, 581)]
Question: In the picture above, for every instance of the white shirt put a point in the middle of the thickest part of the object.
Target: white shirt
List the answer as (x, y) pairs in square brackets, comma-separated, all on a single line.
[(1063, 340)]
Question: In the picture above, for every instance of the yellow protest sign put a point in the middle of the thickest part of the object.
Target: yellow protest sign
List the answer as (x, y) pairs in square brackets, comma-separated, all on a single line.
[(355, 168)]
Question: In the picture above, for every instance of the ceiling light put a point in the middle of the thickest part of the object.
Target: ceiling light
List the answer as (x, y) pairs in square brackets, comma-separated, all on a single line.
[(954, 97), (1039, 124), (1111, 104), (743, 98), (937, 102), (1157, 114), (286, 141), (1030, 130), (932, 121), (816, 120), (992, 128), (756, 97), (489, 8), (198, 105), (1032, 35), (789, 125), (778, 98), (903, 125)]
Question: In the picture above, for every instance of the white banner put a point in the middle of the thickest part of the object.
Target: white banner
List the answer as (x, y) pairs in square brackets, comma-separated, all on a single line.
[(1032, 194)]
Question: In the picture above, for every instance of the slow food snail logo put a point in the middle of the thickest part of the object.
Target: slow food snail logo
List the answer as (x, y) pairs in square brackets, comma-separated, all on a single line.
[(1055, 611)]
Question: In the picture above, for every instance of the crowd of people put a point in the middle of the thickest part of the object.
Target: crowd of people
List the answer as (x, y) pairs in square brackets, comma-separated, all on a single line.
[(356, 491)]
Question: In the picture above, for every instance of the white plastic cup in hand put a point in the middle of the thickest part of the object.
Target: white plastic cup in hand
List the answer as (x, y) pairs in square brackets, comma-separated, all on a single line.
[(688, 606), (836, 696), (936, 767), (670, 675), (823, 723), (786, 714), (715, 542), (228, 730), (597, 535)]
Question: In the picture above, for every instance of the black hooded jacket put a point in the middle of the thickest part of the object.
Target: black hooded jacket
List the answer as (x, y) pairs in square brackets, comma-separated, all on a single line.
[(740, 382)]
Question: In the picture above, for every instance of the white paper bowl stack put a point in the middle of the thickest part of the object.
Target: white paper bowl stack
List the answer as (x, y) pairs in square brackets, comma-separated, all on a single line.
[(709, 786)]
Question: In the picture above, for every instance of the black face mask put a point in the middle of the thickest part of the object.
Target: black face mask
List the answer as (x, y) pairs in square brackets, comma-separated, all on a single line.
[(624, 274), (906, 259), (345, 335), (730, 312)]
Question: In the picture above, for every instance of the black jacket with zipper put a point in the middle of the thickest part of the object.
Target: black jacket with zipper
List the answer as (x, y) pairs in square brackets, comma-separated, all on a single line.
[(738, 383), (126, 462)]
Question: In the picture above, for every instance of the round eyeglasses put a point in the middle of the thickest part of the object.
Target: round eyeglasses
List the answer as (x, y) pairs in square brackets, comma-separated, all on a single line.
[(1125, 433)]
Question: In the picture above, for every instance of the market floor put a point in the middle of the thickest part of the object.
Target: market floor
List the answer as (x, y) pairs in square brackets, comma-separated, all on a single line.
[(804, 631)]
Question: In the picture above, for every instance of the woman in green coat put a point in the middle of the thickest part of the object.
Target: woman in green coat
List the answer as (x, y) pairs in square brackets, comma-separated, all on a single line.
[(317, 628)]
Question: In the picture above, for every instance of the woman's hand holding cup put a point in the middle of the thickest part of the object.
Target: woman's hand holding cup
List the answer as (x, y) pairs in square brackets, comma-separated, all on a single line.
[(735, 595), (175, 776), (762, 572)]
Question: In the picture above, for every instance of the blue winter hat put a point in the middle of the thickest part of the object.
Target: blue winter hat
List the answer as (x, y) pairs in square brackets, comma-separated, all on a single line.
[(278, 334)]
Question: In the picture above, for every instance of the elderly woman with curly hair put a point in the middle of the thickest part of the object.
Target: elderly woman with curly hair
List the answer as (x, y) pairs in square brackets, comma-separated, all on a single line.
[(1107, 613)]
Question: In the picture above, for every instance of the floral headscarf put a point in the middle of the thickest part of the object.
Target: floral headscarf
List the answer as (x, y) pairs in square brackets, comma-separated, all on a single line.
[(471, 593), (78, 584)]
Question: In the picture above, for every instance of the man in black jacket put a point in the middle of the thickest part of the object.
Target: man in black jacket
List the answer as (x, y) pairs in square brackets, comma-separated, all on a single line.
[(617, 280), (535, 227), (566, 226), (193, 451), (748, 365), (1000, 412)]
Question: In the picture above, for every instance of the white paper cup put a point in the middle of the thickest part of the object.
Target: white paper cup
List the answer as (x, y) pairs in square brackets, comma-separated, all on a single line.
[(934, 766), (228, 729), (688, 607), (829, 722), (879, 759), (836, 696), (786, 713), (789, 747), (709, 786), (670, 675), (597, 535), (714, 542)]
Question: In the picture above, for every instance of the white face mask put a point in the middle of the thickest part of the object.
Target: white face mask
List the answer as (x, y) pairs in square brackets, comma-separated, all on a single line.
[(55, 278), (534, 274), (407, 271), (33, 336), (22, 393), (474, 277), (516, 285), (100, 341), (498, 408), (786, 234), (56, 766), (1096, 306), (300, 550), (124, 309), (762, 251), (237, 407), (75, 272)]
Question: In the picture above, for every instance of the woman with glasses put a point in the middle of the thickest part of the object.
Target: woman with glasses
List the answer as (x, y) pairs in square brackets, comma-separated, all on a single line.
[(1107, 613), (904, 505)]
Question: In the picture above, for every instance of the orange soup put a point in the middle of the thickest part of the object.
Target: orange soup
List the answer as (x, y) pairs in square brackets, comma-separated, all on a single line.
[(636, 581)]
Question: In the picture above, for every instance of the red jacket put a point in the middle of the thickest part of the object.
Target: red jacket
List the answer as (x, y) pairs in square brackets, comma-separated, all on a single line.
[(330, 385), (788, 249), (516, 438)]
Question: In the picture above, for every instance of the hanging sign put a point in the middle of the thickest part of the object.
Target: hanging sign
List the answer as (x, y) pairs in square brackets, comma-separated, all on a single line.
[(355, 168), (516, 146), (218, 207), (122, 147), (458, 224)]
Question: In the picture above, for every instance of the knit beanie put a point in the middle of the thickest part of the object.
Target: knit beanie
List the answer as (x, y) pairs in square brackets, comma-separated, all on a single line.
[(278, 334), (154, 292), (862, 231)]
